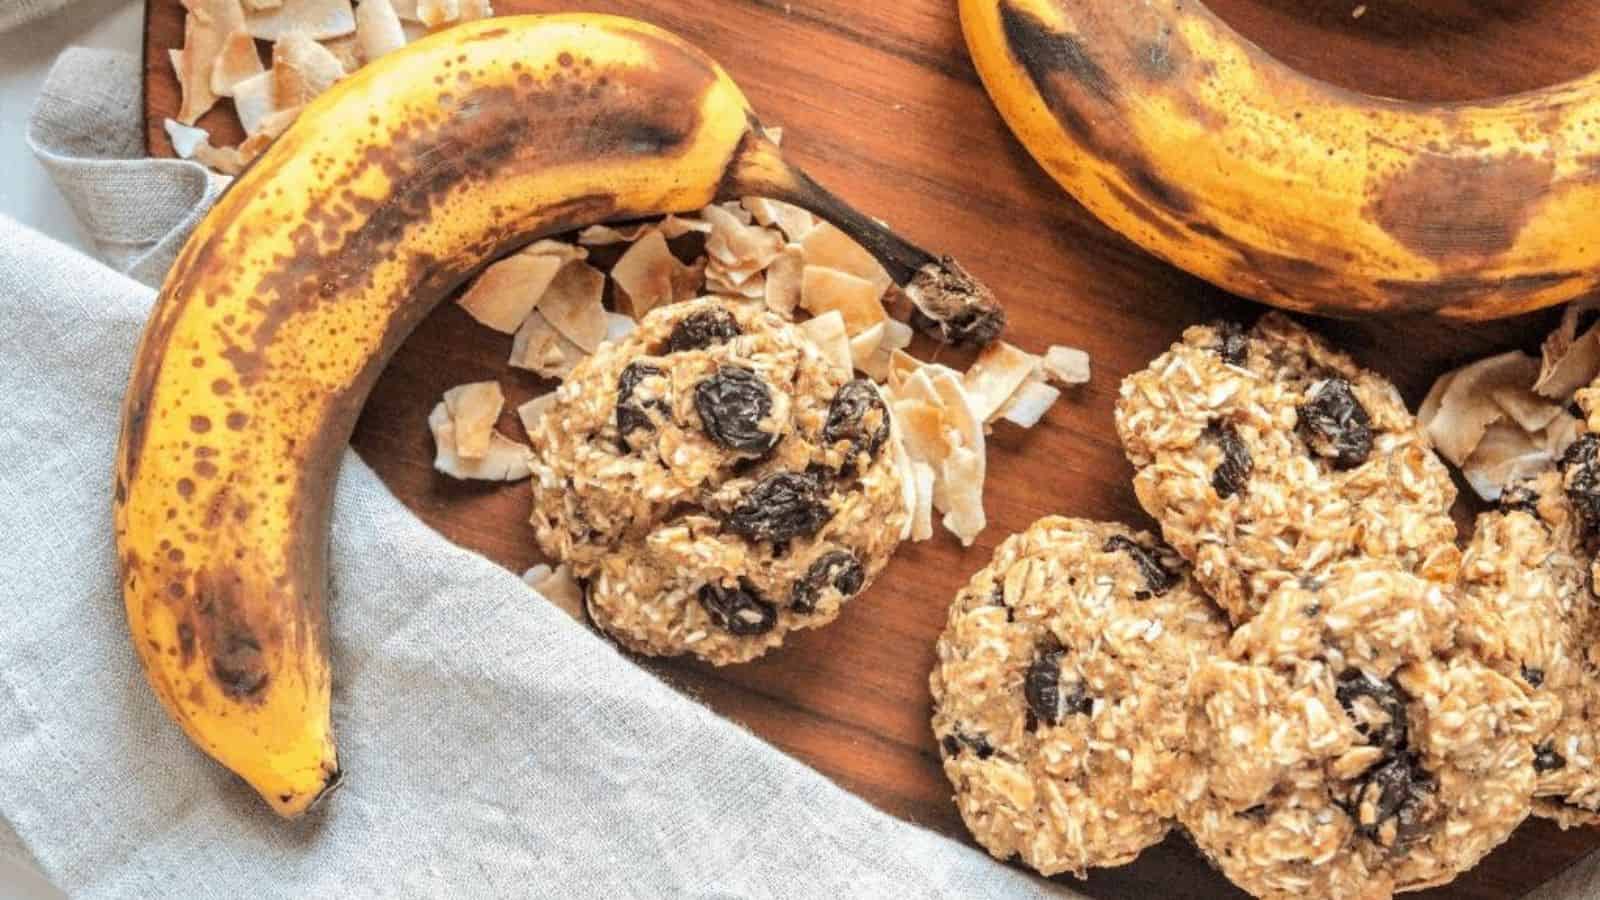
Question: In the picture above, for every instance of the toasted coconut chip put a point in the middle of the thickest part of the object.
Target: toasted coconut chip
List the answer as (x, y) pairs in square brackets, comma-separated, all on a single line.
[(262, 4), (378, 29), (785, 277), (876, 366), (827, 332), (1506, 454), (602, 235), (1560, 434), (347, 49), (1066, 365), (318, 20), (737, 244), (406, 10), (474, 408), (252, 100), (794, 222), (958, 493), (995, 375), (505, 460), (236, 60), (824, 290), (270, 127), (927, 440), (227, 160), (472, 10), (648, 276), (1435, 399), (1029, 404), (538, 347), (827, 246), (414, 31), (956, 404), (1570, 360), (503, 295), (774, 133), (753, 288), (922, 512), (896, 334), (572, 304), (864, 345), (205, 30), (558, 586), (301, 69), (185, 139), (436, 13), (1530, 411), (902, 365), (908, 484), (531, 412), (1457, 414)]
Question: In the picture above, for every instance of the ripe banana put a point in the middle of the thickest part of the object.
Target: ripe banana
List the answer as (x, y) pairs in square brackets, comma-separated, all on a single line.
[(1191, 141), (387, 192)]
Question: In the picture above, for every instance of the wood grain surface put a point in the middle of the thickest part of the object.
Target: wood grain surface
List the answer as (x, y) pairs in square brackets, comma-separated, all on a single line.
[(880, 103)]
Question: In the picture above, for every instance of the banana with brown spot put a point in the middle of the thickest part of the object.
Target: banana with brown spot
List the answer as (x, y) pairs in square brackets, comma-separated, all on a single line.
[(1194, 143), (287, 300)]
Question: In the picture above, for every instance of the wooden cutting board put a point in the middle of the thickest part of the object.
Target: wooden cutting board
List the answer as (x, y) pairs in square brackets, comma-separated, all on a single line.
[(879, 101)]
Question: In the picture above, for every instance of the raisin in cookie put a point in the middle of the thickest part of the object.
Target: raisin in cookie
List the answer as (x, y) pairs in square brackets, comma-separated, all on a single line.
[(1266, 455), (1352, 749), (717, 481), (1058, 694)]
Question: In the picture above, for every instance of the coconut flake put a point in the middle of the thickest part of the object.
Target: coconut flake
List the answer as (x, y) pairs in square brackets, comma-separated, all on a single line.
[(896, 335), (378, 29), (347, 50), (824, 290), (794, 222), (1029, 404), (318, 20), (538, 347), (648, 276), (1530, 411), (185, 139), (505, 459), (827, 246), (205, 31), (474, 408), (785, 277), (252, 100), (922, 512), (509, 289), (1461, 406), (572, 304), (865, 345), (226, 160), (1066, 365), (1505, 455), (301, 69), (996, 375), (827, 332), (236, 60), (558, 586), (531, 412), (959, 494), (1570, 360)]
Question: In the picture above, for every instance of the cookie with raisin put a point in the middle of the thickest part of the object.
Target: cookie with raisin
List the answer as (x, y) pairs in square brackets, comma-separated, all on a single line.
[(717, 481), (1058, 694)]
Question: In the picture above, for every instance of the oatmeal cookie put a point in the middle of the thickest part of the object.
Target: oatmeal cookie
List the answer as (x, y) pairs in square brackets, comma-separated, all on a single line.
[(1266, 455), (717, 482), (1058, 694), (1528, 610), (1352, 749)]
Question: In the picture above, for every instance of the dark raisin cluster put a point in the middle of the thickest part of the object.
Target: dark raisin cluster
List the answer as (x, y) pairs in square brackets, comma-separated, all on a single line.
[(1233, 473), (1397, 788), (1335, 425), (780, 507), (1580, 472), (1157, 578), (702, 329), (857, 415), (1232, 344), (631, 415), (732, 404), (838, 568), (738, 610), (1048, 700)]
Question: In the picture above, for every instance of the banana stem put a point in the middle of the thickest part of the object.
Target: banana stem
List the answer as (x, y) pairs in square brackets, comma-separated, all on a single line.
[(948, 302)]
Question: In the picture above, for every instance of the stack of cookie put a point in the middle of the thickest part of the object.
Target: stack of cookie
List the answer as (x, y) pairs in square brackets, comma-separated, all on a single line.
[(1386, 708)]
